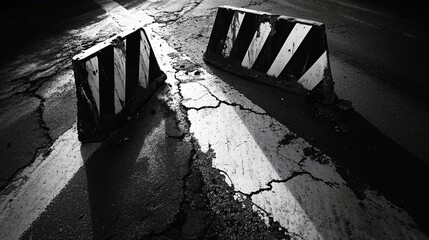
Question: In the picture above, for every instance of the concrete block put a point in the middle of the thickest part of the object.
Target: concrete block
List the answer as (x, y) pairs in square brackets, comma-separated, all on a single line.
[(283, 51), (113, 81)]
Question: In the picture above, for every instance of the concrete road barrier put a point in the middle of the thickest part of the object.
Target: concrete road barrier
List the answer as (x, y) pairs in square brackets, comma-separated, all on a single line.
[(287, 52), (113, 81)]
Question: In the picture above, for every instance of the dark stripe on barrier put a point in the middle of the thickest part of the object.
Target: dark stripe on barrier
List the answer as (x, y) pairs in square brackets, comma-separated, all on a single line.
[(273, 44), (220, 30), (281, 60), (106, 81), (97, 86), (306, 55), (154, 70), (86, 107), (248, 28), (132, 65)]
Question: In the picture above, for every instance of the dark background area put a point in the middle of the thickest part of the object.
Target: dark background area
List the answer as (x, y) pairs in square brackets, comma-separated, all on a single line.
[(23, 21)]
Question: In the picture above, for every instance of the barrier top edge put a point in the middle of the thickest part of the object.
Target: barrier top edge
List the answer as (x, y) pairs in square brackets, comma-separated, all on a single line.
[(246, 10), (90, 52)]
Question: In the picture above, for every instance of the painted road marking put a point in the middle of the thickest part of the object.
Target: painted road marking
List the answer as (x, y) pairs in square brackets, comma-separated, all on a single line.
[(233, 30), (120, 14), (28, 195), (304, 192), (256, 45), (306, 195), (32, 190), (289, 48)]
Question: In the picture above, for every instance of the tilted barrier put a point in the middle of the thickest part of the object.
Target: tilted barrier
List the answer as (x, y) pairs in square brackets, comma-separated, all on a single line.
[(287, 52), (113, 81)]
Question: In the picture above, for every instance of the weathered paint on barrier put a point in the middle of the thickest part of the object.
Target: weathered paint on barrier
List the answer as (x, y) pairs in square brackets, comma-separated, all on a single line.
[(287, 52), (113, 81)]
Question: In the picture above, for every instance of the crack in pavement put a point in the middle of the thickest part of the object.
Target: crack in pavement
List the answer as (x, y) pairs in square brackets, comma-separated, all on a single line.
[(270, 186), (308, 152), (241, 107), (177, 99), (31, 75), (43, 149), (35, 79), (29, 85), (42, 123), (311, 171), (293, 175), (174, 16), (255, 3), (175, 223), (219, 101), (302, 163)]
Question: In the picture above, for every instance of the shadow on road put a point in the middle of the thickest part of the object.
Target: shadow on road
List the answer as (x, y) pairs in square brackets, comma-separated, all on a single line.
[(362, 154), (134, 180)]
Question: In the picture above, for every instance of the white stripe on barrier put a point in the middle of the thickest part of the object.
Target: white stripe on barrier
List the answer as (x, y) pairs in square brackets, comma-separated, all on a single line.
[(289, 47), (144, 61), (233, 30), (119, 52), (316, 72), (256, 45), (93, 79)]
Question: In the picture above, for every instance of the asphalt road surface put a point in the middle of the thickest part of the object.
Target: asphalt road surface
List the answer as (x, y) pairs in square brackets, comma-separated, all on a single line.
[(167, 173)]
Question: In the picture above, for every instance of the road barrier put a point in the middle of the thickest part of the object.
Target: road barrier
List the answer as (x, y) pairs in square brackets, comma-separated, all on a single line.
[(287, 52), (113, 81)]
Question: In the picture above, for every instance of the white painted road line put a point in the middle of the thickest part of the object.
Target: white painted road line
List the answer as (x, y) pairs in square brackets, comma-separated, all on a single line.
[(126, 79), (119, 14), (313, 202), (124, 18), (28, 195), (303, 190), (32, 190)]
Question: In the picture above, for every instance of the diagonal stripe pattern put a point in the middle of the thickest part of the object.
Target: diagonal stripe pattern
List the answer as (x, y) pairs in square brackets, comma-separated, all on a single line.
[(232, 33), (275, 49), (119, 69), (113, 80), (256, 45), (288, 49)]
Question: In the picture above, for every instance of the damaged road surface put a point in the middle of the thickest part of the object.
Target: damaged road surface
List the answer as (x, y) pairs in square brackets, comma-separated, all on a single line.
[(199, 161), (37, 94), (285, 177), (202, 161)]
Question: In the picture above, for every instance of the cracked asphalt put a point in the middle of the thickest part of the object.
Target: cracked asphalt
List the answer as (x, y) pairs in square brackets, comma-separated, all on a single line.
[(37, 90), (210, 156)]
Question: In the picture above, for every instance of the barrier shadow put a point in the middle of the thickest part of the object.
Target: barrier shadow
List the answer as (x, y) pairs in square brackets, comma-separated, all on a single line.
[(363, 156), (133, 179)]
